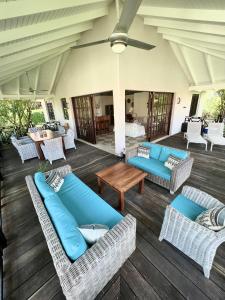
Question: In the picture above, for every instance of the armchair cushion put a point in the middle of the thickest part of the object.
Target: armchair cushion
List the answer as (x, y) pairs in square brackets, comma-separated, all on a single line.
[(151, 165), (42, 186), (66, 227), (166, 152), (187, 207), (85, 205), (155, 149)]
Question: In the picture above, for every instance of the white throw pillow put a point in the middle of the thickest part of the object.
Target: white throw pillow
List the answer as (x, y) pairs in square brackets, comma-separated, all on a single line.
[(172, 162), (93, 232), (143, 152), (55, 180)]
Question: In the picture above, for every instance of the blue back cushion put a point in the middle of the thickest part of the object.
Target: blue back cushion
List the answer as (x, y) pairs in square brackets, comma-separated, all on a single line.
[(44, 189), (187, 207), (66, 227), (172, 151), (155, 149), (85, 205), (153, 166)]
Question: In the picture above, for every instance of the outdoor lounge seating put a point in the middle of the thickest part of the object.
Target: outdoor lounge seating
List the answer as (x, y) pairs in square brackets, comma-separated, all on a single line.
[(69, 139), (180, 229), (155, 168), (215, 134), (25, 147), (193, 134), (84, 276)]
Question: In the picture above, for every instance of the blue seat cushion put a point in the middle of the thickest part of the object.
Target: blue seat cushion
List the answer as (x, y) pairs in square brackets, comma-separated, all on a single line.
[(155, 149), (85, 205), (165, 152), (187, 207), (44, 189), (66, 227), (151, 165)]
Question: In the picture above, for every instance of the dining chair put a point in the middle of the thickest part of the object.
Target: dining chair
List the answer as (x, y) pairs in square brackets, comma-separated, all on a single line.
[(69, 139), (53, 149), (193, 134)]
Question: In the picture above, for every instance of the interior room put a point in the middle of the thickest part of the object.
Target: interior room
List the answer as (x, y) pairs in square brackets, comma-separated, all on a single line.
[(112, 149)]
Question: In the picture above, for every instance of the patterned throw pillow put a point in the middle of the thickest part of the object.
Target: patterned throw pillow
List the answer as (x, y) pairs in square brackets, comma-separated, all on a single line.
[(143, 152), (55, 180), (172, 162), (93, 232), (213, 219)]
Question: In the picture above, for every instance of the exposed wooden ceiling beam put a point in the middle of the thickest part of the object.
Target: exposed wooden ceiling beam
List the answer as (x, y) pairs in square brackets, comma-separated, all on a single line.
[(45, 38), (209, 67), (204, 87), (215, 53), (208, 15), (54, 74), (31, 30), (202, 44), (209, 38), (184, 25), (188, 64), (37, 50), (13, 9)]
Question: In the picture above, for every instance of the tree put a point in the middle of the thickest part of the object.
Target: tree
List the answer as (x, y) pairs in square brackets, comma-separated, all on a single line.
[(221, 106)]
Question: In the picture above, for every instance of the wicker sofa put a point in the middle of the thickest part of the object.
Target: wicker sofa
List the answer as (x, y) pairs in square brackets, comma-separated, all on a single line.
[(85, 277), (173, 179)]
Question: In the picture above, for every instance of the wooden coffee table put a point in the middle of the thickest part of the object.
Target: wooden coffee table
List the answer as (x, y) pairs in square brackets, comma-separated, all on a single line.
[(121, 177)]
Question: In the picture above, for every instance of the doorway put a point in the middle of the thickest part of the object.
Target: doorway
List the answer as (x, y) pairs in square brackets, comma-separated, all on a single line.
[(194, 105)]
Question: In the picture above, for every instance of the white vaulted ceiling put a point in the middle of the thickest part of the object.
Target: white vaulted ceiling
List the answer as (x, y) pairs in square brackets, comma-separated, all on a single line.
[(196, 33), (35, 39)]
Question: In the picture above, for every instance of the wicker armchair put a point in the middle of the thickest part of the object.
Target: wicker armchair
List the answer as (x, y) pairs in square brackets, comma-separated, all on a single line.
[(179, 174), (53, 149), (196, 241), (25, 147), (87, 276), (69, 139)]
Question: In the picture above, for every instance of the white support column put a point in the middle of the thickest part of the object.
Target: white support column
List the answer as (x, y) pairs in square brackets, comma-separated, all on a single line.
[(45, 112), (119, 110)]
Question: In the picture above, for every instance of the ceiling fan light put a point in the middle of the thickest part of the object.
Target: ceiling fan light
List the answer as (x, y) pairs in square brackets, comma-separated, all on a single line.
[(118, 46)]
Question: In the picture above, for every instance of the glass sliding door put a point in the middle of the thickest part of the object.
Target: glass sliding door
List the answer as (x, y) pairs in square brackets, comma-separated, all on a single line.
[(84, 117)]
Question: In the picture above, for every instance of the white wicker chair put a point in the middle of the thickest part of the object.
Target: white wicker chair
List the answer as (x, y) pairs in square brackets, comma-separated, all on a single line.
[(53, 149), (25, 148), (215, 134), (69, 139), (196, 241), (193, 134)]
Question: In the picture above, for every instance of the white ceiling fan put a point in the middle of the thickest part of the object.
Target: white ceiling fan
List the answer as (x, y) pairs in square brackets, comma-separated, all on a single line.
[(119, 39), (30, 89)]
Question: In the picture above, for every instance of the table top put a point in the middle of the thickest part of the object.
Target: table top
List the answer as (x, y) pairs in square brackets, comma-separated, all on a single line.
[(35, 136), (121, 176)]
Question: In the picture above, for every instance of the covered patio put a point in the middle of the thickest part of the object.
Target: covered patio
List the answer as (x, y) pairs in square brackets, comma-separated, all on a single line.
[(156, 270)]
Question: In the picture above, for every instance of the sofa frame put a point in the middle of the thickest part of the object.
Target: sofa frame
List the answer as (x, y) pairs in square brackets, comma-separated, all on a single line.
[(88, 275), (179, 175)]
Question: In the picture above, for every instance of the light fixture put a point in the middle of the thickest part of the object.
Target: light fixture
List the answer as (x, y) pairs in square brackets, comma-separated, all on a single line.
[(118, 46)]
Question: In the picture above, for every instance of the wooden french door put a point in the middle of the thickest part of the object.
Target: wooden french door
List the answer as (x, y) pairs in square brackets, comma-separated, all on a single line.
[(159, 114), (83, 108)]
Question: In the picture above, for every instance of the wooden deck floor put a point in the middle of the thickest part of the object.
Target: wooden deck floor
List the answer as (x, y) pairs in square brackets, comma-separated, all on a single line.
[(155, 271)]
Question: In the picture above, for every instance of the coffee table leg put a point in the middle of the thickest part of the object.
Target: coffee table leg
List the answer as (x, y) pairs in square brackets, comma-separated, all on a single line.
[(100, 186), (121, 201), (141, 186)]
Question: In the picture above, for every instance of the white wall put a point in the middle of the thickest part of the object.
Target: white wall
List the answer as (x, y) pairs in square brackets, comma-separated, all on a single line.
[(140, 104), (96, 69)]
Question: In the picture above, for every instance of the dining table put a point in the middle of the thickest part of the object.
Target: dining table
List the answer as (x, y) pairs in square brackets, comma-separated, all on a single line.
[(40, 136)]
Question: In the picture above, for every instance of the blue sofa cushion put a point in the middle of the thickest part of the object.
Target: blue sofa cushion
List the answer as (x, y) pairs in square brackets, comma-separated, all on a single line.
[(155, 149), (165, 152), (187, 207), (153, 166), (66, 227), (42, 186), (85, 205)]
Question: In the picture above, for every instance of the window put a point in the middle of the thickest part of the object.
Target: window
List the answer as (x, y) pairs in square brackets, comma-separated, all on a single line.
[(65, 109), (50, 110)]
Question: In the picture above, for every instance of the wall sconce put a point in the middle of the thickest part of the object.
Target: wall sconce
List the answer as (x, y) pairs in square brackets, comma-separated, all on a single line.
[(178, 100)]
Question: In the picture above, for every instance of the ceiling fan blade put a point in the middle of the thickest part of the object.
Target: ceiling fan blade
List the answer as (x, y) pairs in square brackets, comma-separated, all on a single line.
[(90, 44), (127, 16), (139, 44)]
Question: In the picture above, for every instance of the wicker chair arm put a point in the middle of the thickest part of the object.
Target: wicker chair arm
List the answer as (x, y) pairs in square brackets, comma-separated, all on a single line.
[(101, 261), (131, 152), (201, 198), (181, 173)]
